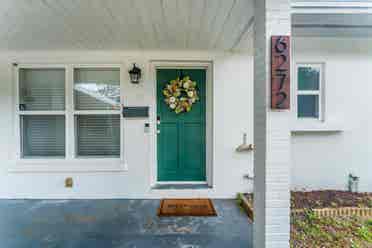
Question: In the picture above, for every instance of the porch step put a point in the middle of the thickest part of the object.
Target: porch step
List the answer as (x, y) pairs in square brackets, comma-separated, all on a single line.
[(181, 186)]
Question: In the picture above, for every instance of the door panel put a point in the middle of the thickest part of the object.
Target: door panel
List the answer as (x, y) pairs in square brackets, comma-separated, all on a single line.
[(192, 152), (169, 132), (181, 140)]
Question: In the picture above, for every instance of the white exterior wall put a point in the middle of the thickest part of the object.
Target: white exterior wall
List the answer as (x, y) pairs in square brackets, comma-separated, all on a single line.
[(233, 115), (319, 159), (323, 160)]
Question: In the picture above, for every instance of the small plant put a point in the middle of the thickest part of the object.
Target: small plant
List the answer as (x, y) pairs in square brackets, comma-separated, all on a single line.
[(353, 245), (239, 200), (369, 203), (310, 216), (364, 233), (369, 223)]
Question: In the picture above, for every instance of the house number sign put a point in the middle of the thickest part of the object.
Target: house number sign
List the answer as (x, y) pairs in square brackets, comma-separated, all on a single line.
[(280, 72)]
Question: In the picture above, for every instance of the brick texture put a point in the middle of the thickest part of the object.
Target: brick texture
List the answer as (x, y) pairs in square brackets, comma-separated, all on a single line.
[(271, 134)]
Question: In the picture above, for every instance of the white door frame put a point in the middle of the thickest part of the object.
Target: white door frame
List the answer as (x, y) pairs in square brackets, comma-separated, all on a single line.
[(208, 66)]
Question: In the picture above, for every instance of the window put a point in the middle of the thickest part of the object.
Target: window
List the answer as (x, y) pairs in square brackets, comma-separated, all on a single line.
[(98, 135), (69, 117), (42, 112), (43, 136), (309, 91), (97, 112)]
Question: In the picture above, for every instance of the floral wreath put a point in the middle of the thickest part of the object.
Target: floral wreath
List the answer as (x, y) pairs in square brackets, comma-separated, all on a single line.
[(181, 94)]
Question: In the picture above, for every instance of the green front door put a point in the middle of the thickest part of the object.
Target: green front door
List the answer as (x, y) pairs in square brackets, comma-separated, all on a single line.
[(181, 137)]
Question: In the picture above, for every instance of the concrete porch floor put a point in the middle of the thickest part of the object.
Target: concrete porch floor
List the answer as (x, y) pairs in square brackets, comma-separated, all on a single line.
[(117, 223)]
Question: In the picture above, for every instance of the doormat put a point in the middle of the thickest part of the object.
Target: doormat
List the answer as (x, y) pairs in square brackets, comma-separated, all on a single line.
[(186, 207)]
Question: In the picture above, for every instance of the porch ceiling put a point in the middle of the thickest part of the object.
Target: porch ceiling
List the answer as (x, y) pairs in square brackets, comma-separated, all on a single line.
[(125, 24)]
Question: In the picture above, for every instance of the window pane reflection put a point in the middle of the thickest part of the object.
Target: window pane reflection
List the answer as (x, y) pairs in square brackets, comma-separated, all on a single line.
[(97, 88)]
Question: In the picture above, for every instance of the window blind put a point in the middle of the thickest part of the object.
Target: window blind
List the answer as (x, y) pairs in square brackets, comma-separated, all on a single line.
[(98, 135), (42, 89), (97, 88), (43, 135)]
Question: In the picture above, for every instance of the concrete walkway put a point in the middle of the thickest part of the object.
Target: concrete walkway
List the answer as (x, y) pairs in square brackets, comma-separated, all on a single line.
[(119, 224)]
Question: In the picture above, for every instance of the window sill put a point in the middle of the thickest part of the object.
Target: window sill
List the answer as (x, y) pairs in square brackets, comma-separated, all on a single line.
[(316, 127), (63, 165)]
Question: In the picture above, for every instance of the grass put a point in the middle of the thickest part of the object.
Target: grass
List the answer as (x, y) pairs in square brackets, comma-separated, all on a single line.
[(310, 231)]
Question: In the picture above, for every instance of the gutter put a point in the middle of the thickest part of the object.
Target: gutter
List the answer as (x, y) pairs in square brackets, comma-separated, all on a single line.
[(331, 7)]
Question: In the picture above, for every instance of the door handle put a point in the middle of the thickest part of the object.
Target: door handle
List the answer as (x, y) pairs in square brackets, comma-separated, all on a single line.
[(157, 131)]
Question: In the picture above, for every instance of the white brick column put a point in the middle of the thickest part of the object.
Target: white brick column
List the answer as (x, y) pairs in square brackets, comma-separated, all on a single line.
[(271, 134)]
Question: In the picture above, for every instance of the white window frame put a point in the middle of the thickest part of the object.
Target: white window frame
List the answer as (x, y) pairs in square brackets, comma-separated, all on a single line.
[(319, 93), (70, 163)]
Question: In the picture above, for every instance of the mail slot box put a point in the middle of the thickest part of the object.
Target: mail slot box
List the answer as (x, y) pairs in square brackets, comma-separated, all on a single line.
[(135, 112)]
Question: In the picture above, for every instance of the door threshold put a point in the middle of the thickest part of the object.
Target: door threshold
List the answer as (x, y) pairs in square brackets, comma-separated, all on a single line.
[(181, 186)]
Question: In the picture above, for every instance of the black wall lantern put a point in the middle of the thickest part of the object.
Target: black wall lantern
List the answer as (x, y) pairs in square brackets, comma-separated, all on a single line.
[(135, 74)]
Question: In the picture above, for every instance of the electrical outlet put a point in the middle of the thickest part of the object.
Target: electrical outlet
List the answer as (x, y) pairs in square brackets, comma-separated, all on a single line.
[(69, 182)]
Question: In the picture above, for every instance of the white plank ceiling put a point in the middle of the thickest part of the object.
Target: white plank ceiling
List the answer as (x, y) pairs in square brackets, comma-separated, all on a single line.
[(125, 24)]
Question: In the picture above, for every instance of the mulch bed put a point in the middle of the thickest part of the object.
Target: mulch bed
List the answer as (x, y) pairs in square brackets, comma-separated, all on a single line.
[(330, 199), (327, 199)]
